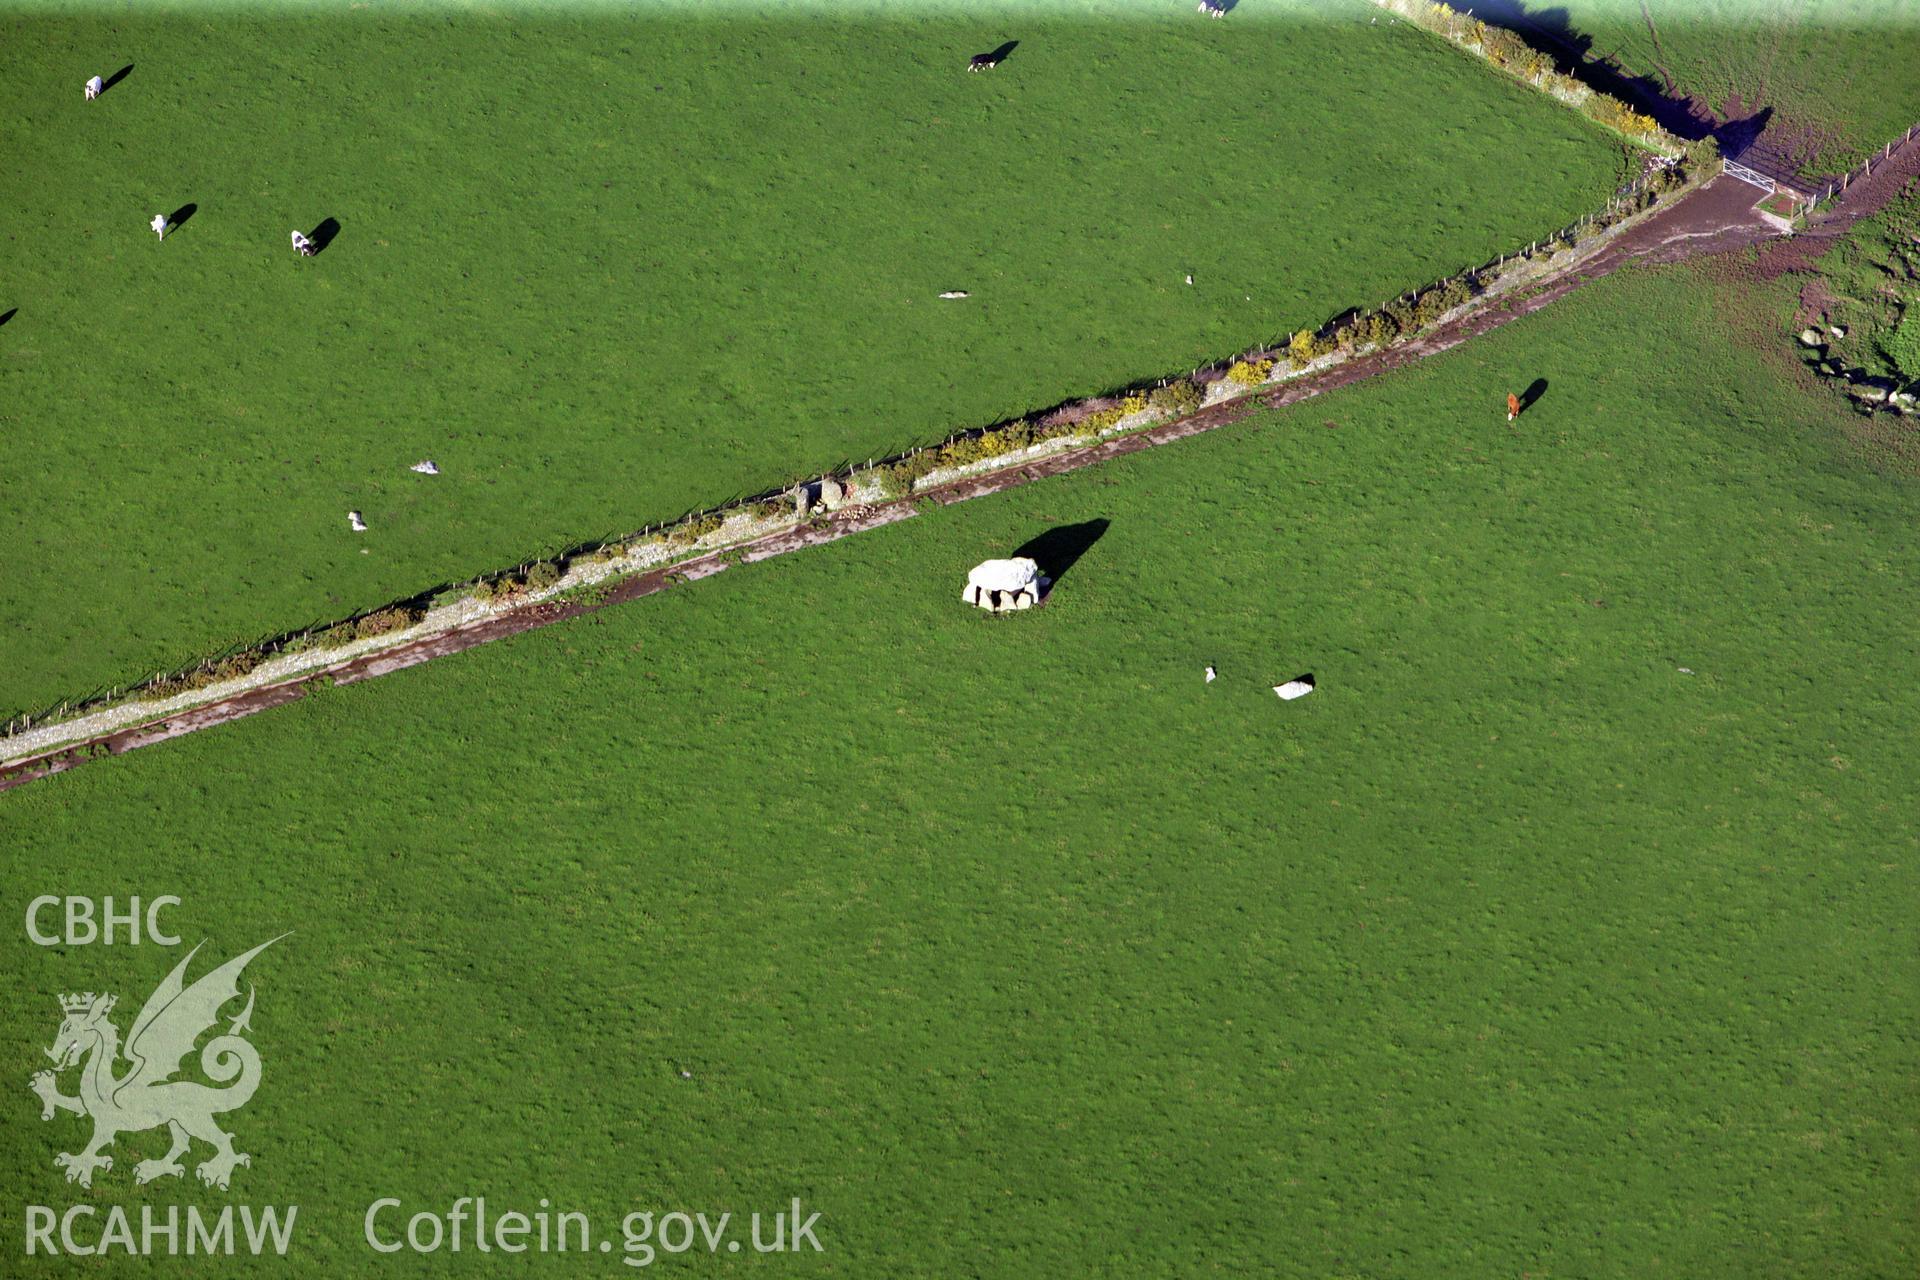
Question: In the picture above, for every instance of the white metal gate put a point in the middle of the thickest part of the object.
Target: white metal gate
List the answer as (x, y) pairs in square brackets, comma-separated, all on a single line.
[(1748, 176)]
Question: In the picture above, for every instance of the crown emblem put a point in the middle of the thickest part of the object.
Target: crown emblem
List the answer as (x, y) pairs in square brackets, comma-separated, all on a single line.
[(79, 1003)]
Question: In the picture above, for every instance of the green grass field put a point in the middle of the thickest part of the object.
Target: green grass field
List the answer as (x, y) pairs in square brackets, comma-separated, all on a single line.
[(1015, 949), (1838, 71), (603, 271)]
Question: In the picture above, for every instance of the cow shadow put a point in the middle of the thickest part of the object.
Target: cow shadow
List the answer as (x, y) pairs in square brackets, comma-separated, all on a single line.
[(178, 218), (1305, 678), (1058, 550), (9, 314), (999, 55), (115, 79), (1531, 396), (324, 234)]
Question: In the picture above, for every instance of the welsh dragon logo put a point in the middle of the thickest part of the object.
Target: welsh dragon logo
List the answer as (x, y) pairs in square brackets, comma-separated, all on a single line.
[(147, 1095)]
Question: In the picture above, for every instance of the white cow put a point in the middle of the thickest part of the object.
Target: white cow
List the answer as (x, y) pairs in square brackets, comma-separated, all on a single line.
[(93, 88), (302, 245), (159, 225)]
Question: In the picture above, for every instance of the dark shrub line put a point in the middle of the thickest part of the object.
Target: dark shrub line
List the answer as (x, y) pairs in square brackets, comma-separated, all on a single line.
[(1509, 52), (1168, 399)]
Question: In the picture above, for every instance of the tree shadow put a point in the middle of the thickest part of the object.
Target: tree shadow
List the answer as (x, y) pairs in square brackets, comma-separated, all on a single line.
[(1532, 394), (178, 218), (115, 79), (1550, 31), (1737, 137), (1058, 550), (323, 235)]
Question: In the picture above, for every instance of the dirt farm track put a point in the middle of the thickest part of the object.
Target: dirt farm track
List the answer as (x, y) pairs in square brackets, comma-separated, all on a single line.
[(1715, 218)]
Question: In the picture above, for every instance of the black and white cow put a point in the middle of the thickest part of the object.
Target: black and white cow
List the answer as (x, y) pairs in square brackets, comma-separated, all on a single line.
[(988, 61)]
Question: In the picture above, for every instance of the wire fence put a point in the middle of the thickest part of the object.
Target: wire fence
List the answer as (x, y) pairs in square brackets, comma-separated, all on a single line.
[(1862, 171), (1586, 223), (1617, 207), (1063, 418)]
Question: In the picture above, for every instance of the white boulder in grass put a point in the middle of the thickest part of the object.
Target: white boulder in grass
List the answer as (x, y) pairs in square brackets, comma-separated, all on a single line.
[(955, 293), (998, 585), (425, 467), (358, 525), (1294, 688)]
